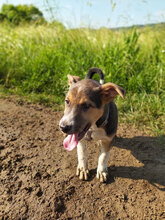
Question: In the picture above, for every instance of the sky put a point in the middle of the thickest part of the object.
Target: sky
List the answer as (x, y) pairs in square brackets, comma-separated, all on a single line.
[(99, 13)]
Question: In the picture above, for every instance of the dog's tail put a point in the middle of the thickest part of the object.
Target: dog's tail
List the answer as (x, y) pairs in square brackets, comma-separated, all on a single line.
[(94, 70)]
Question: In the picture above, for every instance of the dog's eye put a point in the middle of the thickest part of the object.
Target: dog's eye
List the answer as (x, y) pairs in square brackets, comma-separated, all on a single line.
[(67, 101), (86, 106)]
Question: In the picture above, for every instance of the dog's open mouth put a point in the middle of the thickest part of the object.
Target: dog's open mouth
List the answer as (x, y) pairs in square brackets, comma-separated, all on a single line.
[(71, 141)]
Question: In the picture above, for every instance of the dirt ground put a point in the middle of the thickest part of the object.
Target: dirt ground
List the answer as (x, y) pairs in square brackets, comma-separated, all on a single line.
[(37, 176)]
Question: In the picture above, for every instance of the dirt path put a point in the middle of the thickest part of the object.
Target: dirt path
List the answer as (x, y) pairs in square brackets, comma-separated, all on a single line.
[(37, 176)]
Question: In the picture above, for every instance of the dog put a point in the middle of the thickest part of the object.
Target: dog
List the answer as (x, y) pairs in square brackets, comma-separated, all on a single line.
[(90, 113)]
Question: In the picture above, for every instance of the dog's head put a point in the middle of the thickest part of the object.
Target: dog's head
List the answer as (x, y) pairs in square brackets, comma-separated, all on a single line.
[(84, 104)]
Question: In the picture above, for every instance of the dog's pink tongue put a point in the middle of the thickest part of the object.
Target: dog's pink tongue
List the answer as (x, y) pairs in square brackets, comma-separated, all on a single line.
[(70, 142)]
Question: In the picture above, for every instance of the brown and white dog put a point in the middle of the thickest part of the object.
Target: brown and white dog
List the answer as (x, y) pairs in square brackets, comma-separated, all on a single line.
[(90, 113)]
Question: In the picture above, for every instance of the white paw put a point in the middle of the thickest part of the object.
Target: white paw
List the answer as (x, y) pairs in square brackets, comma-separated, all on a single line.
[(82, 173), (102, 176)]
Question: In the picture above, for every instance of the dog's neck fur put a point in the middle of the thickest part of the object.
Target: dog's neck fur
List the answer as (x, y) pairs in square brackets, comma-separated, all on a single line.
[(101, 122)]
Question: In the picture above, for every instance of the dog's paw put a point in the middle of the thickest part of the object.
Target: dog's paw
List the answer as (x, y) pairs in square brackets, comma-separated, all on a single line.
[(82, 173), (102, 176)]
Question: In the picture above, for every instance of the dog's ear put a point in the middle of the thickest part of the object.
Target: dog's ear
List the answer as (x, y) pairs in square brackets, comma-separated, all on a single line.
[(72, 79), (109, 91)]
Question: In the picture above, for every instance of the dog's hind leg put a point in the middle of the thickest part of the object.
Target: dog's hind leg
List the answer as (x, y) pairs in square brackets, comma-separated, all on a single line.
[(102, 169), (82, 168)]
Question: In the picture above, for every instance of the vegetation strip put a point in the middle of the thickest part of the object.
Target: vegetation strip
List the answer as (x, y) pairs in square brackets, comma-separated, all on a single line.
[(35, 60)]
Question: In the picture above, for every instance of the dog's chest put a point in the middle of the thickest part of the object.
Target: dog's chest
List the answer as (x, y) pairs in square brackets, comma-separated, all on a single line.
[(96, 133)]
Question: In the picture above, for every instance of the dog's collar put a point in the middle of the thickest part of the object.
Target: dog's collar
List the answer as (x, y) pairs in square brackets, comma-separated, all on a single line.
[(101, 122)]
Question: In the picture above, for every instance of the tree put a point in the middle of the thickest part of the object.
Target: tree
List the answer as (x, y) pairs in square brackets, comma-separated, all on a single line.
[(20, 14)]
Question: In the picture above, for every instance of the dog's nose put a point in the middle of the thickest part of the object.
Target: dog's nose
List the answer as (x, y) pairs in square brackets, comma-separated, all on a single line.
[(65, 128)]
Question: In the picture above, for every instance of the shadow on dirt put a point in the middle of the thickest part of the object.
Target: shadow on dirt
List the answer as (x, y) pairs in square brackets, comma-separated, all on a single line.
[(148, 150)]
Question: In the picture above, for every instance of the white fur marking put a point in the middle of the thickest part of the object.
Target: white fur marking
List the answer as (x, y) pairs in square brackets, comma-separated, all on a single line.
[(82, 155), (68, 119), (100, 134), (103, 160), (101, 81)]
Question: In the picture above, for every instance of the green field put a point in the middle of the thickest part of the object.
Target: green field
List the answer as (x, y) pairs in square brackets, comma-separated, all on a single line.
[(35, 60)]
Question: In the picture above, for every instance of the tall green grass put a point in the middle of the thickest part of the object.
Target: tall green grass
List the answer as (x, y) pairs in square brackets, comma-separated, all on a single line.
[(35, 61)]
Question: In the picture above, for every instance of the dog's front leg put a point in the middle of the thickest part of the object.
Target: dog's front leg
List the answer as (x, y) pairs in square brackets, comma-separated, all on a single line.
[(102, 169), (82, 168)]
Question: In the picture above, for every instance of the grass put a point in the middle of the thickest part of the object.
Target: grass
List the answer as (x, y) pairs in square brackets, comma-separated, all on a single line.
[(35, 61)]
